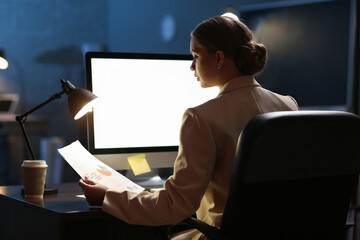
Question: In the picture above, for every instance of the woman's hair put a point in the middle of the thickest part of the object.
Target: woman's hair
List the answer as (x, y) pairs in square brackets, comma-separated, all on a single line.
[(235, 39)]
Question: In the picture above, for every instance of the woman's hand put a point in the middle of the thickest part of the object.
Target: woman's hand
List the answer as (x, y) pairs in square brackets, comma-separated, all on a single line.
[(94, 192)]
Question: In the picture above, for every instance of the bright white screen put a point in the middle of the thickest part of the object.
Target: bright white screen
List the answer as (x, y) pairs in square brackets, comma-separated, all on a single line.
[(141, 102)]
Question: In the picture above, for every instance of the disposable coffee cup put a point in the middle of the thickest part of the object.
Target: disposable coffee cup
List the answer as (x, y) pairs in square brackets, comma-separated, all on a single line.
[(34, 178)]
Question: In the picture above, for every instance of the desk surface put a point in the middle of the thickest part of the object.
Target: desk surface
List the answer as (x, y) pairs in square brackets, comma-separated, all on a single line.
[(65, 201), (65, 216)]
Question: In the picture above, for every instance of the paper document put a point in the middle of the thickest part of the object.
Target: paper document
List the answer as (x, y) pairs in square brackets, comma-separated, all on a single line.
[(86, 165)]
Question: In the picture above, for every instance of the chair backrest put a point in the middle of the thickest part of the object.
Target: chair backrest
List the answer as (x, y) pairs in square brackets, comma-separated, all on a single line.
[(294, 175)]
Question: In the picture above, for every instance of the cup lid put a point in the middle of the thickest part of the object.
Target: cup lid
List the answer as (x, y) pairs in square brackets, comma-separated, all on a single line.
[(34, 163)]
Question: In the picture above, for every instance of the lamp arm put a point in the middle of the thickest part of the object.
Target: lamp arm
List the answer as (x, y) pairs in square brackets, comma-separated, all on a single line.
[(22, 118)]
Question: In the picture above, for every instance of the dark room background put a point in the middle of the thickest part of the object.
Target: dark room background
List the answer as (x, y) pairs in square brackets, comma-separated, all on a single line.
[(46, 40)]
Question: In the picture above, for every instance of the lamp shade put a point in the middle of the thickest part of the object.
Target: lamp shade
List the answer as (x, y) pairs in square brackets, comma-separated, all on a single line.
[(3, 62), (80, 102)]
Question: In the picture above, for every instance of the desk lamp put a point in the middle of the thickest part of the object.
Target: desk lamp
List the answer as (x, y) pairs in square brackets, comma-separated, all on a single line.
[(3, 63), (80, 102)]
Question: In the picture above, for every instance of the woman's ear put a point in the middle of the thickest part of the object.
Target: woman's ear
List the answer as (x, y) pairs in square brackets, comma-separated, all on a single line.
[(220, 59)]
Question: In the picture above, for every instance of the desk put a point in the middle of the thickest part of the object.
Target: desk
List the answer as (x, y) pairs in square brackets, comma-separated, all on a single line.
[(62, 216)]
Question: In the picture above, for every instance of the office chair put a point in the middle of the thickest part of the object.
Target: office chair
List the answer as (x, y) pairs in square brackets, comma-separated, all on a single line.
[(294, 175)]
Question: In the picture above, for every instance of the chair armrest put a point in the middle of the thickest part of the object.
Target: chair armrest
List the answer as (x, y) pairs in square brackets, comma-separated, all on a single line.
[(211, 232)]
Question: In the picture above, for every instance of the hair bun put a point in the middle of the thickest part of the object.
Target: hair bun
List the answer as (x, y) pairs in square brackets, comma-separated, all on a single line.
[(261, 52), (251, 58)]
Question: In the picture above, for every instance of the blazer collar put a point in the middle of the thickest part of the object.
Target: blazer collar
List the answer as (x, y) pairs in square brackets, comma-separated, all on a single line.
[(239, 82)]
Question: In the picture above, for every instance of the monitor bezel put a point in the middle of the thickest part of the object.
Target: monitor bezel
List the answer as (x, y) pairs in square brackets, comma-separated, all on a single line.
[(90, 116)]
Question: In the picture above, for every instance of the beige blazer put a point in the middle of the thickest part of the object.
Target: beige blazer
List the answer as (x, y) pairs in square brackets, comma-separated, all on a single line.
[(202, 169)]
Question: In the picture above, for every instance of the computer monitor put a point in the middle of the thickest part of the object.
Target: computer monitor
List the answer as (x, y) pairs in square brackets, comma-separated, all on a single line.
[(142, 98)]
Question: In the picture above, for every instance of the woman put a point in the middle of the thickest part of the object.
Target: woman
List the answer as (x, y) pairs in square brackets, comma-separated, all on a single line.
[(225, 55)]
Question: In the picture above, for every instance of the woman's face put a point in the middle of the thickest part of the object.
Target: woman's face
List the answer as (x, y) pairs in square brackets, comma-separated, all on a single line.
[(204, 64)]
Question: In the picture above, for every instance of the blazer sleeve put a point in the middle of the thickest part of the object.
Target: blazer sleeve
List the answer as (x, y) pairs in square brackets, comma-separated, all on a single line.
[(183, 191)]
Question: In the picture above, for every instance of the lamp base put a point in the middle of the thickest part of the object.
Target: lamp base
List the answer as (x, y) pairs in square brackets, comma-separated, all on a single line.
[(50, 191), (47, 191)]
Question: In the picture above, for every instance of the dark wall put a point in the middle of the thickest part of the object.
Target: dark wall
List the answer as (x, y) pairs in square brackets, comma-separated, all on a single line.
[(42, 42), (309, 51), (135, 26)]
